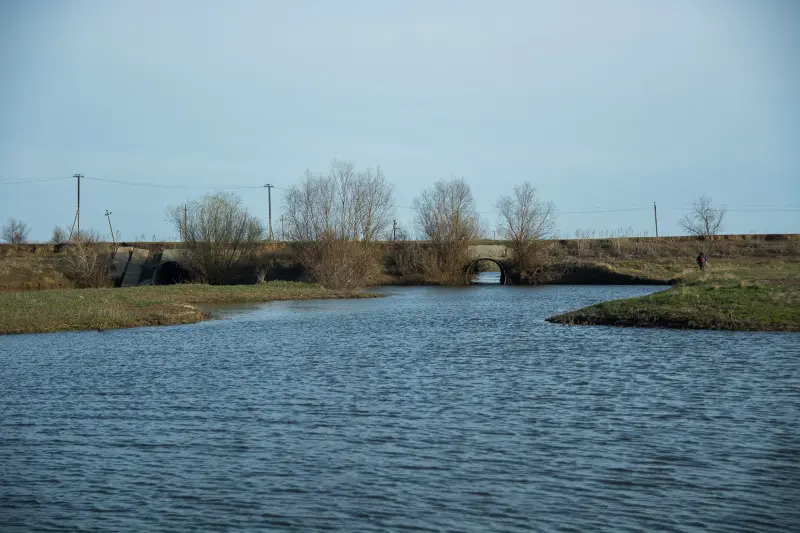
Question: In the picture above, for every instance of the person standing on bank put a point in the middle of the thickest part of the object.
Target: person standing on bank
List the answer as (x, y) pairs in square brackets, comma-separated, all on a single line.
[(701, 261)]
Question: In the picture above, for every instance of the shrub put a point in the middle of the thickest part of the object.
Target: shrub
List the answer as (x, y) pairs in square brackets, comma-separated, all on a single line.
[(59, 235), (87, 237), (446, 216), (86, 265), (221, 237), (334, 219), (341, 264)]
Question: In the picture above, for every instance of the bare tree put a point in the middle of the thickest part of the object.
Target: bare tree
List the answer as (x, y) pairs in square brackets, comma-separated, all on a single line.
[(310, 209), (328, 214), (220, 235), (704, 220), (375, 205), (59, 235), (344, 204), (343, 181), (525, 220), (446, 216), (15, 231)]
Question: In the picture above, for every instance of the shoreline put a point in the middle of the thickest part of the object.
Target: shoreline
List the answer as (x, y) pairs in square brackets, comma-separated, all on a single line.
[(735, 295), (51, 311), (730, 296)]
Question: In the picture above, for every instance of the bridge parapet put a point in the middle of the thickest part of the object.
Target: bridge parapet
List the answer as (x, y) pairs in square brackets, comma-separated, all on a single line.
[(492, 251)]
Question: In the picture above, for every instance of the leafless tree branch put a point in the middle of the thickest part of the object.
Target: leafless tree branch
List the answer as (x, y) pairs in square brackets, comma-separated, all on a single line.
[(219, 234), (16, 231), (446, 216), (327, 214), (525, 220), (704, 220)]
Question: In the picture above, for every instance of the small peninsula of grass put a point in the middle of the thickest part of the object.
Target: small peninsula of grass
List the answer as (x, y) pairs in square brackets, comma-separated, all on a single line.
[(82, 309), (761, 295)]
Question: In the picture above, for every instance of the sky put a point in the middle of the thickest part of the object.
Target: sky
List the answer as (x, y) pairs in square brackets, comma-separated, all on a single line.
[(604, 106)]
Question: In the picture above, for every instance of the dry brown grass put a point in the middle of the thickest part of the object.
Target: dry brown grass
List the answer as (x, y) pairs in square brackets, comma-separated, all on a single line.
[(723, 246), (34, 272), (32, 266)]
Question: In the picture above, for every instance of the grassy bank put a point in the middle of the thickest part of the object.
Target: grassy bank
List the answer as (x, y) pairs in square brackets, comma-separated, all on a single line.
[(81, 309), (584, 260), (619, 272), (31, 272), (754, 295)]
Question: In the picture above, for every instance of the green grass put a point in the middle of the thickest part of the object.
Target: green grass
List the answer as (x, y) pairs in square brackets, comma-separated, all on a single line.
[(755, 295), (81, 309)]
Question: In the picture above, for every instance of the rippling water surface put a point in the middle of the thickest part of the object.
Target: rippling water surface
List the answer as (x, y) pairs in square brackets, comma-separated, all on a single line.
[(433, 409)]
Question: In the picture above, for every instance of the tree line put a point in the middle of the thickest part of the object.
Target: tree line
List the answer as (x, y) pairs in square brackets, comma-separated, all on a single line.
[(334, 219)]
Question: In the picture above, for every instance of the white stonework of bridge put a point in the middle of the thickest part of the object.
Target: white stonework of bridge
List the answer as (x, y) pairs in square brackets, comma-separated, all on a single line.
[(491, 251), (496, 253)]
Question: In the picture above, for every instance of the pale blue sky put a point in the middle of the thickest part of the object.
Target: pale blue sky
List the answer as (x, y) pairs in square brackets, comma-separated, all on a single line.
[(601, 104)]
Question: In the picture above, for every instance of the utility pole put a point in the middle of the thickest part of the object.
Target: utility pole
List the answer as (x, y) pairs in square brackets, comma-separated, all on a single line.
[(108, 216), (78, 211), (78, 176), (394, 231), (269, 196), (655, 217), (283, 237)]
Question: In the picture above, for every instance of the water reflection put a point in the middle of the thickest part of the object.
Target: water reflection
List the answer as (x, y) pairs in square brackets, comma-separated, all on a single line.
[(487, 278)]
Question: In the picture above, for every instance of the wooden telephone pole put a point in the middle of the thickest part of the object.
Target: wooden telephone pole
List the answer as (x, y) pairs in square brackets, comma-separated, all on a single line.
[(77, 218), (269, 199), (108, 216), (655, 216)]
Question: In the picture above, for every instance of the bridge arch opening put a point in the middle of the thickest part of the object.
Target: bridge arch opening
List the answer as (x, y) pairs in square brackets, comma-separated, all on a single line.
[(171, 273), (472, 270)]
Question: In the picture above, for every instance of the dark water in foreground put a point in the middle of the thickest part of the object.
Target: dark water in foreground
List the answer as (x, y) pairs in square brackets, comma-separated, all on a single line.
[(431, 410)]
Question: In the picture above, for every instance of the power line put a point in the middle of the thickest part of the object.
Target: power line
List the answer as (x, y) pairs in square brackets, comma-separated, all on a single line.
[(171, 186), (631, 209), (763, 205), (34, 180), (762, 210), (587, 211), (735, 205), (738, 208), (734, 210)]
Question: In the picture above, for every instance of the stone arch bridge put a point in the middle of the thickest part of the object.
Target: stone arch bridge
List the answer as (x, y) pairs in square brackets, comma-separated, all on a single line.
[(133, 266), (494, 253)]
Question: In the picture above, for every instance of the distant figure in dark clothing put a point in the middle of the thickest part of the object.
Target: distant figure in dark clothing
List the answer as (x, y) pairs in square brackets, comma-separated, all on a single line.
[(701, 261)]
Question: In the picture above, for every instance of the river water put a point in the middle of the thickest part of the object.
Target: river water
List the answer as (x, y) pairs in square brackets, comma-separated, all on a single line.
[(434, 409)]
